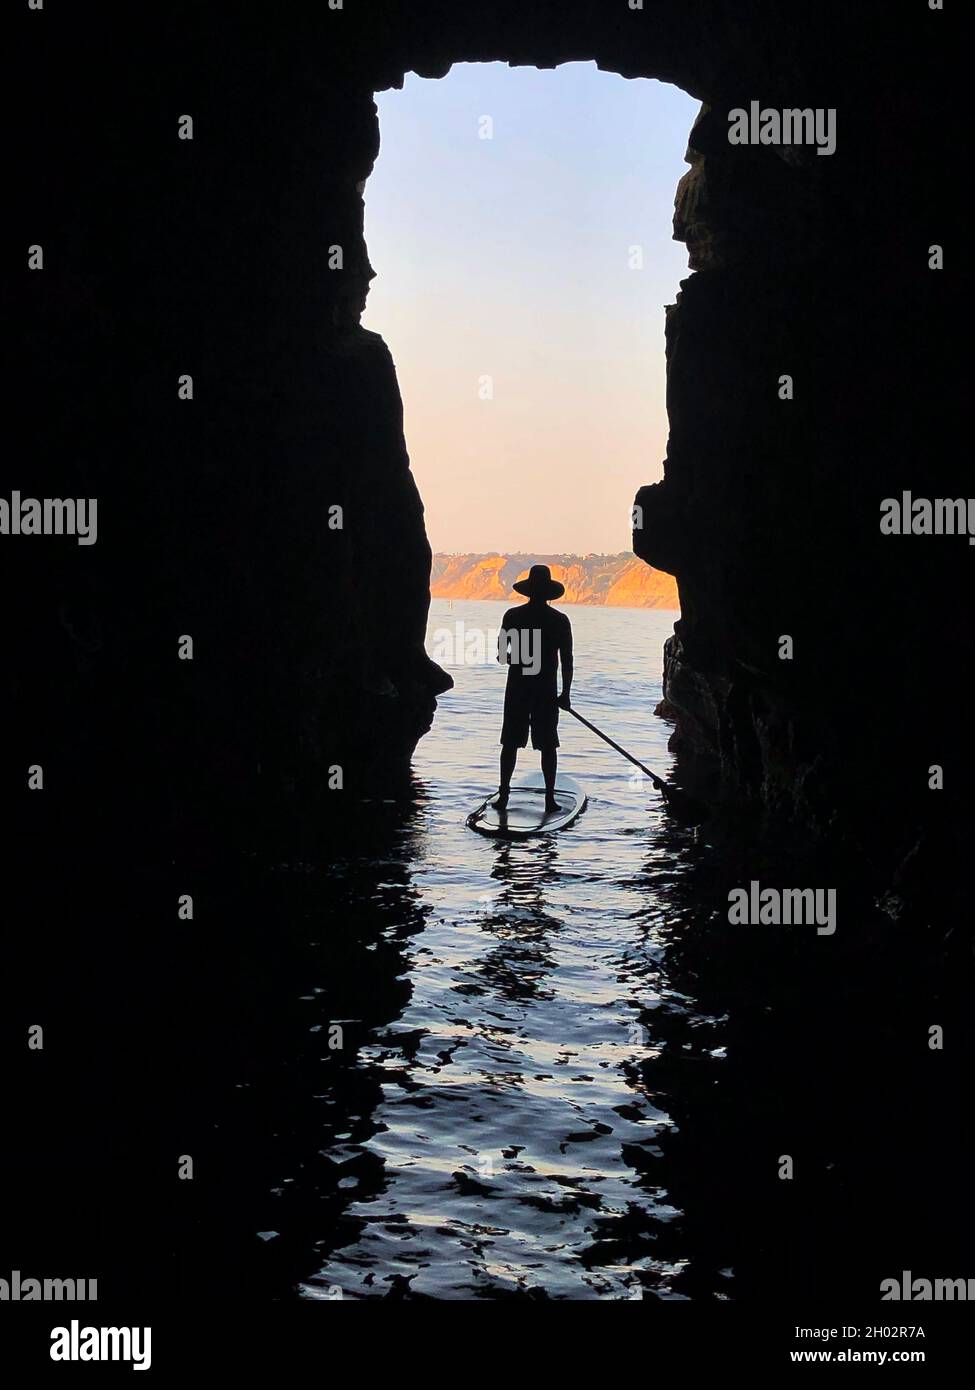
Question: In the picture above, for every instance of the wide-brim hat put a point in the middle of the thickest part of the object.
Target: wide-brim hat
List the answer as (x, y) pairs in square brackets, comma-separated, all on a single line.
[(540, 584)]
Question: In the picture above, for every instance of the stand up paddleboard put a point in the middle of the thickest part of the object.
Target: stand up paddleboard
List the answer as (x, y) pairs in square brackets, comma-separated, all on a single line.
[(525, 813)]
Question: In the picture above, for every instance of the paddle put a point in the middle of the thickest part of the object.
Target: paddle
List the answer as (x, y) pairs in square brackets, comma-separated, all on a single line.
[(681, 806)]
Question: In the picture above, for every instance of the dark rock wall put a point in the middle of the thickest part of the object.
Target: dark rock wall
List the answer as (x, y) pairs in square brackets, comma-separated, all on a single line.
[(769, 510), (212, 257)]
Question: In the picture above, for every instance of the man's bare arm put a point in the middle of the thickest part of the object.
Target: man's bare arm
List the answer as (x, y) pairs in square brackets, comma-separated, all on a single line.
[(565, 657)]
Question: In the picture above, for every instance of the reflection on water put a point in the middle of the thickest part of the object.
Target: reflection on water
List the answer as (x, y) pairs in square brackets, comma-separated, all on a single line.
[(515, 1132), (511, 1093), (562, 1074)]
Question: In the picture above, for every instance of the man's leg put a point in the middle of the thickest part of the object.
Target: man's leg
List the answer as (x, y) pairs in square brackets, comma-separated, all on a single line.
[(550, 766), (509, 756)]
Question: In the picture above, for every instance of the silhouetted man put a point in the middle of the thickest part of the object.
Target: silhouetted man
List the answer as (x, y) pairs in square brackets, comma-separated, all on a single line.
[(532, 642)]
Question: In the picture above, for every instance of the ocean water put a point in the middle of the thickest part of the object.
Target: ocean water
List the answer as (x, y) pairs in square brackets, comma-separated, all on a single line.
[(430, 1065), (514, 1133)]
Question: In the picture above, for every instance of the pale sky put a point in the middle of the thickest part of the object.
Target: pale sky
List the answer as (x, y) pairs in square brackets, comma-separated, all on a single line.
[(509, 258)]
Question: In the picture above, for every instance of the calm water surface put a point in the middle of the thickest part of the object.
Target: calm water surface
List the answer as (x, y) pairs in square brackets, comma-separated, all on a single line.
[(514, 1133), (563, 1074)]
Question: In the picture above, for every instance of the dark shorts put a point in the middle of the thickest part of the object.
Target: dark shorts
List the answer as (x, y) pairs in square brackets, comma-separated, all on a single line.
[(527, 708)]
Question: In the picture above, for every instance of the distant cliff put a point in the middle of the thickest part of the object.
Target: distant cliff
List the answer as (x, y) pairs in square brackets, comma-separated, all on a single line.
[(611, 581)]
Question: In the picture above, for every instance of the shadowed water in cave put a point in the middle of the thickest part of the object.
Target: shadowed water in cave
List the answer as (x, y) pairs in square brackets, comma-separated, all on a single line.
[(563, 1073)]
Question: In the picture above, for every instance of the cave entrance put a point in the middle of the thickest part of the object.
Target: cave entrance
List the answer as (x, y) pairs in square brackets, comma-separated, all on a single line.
[(519, 221)]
